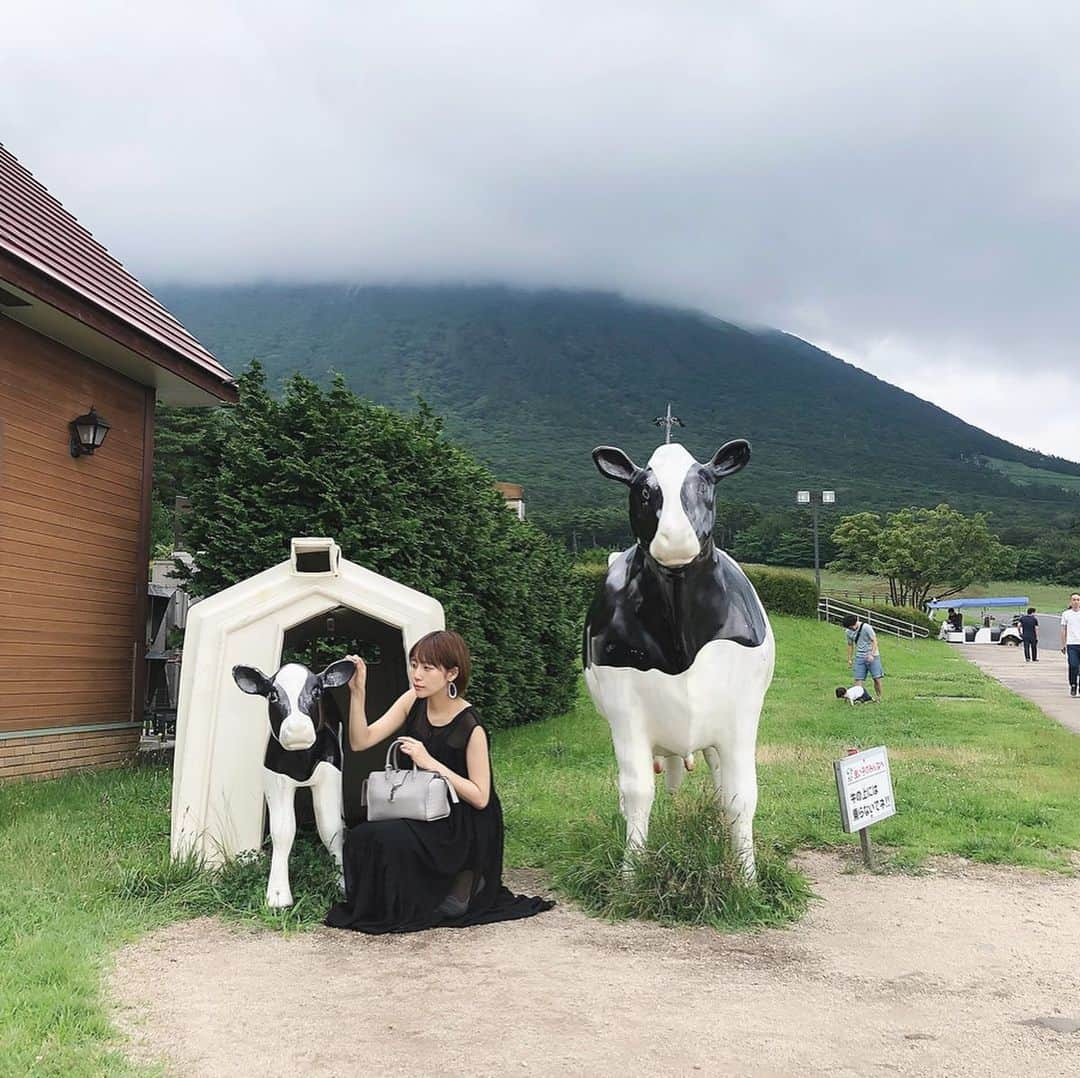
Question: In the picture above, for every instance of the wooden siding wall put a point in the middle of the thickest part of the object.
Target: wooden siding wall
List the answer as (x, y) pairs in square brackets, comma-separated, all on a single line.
[(73, 546)]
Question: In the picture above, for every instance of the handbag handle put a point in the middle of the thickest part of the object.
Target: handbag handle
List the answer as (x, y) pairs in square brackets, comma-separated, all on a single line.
[(392, 765), (392, 762)]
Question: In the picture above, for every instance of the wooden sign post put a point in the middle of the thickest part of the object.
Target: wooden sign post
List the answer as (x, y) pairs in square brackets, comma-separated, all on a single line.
[(864, 786)]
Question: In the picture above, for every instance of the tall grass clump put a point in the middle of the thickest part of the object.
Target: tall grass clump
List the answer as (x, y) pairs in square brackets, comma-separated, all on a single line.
[(687, 873), (237, 889)]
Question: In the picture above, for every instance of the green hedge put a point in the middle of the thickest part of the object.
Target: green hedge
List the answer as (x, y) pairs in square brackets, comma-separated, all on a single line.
[(781, 591), (401, 500), (586, 578), (784, 592)]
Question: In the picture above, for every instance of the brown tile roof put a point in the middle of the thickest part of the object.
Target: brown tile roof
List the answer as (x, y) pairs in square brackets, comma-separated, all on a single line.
[(38, 231)]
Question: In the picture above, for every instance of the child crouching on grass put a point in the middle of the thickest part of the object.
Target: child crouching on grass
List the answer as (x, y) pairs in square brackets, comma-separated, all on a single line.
[(855, 695)]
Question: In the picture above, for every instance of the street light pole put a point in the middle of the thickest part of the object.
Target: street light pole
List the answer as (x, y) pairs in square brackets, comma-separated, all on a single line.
[(813, 499)]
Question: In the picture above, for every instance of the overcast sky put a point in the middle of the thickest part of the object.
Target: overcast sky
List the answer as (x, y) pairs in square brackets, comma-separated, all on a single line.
[(896, 182)]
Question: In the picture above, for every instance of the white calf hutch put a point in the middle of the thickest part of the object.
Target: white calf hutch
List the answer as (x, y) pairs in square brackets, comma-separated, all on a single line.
[(218, 805)]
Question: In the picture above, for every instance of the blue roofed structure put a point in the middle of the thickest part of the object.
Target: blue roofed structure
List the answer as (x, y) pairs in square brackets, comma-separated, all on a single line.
[(960, 604)]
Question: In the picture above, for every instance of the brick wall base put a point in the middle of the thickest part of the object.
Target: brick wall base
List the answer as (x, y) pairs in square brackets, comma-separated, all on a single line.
[(53, 755)]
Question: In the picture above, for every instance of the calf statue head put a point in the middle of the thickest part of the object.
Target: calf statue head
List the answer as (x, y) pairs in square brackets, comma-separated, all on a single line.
[(293, 696), (672, 509)]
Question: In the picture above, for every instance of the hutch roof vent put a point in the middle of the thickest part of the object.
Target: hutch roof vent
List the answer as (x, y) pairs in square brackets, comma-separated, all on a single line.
[(315, 557)]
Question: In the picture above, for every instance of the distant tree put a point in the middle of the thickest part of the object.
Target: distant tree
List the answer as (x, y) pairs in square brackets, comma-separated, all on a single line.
[(922, 552), (587, 528), (184, 451), (757, 542), (183, 448), (795, 547), (732, 519), (1041, 560), (1065, 567), (781, 537), (400, 500)]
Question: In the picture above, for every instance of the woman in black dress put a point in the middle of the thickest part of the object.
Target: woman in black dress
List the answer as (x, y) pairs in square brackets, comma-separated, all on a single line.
[(404, 875)]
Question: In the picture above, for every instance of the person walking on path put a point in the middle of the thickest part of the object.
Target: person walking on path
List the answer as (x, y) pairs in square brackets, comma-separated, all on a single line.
[(1070, 641), (863, 654), (1029, 634)]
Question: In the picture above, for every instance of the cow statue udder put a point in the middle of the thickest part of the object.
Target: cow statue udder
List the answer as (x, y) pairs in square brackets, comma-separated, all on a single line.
[(678, 652), (302, 750)]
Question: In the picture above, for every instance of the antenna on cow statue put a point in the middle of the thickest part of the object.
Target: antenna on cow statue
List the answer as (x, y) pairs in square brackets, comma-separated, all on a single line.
[(667, 422)]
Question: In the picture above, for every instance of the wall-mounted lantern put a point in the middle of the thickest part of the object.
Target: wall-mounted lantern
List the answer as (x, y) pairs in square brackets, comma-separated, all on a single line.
[(87, 433)]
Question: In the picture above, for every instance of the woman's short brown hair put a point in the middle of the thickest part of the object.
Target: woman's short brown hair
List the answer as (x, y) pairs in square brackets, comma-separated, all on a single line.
[(445, 649)]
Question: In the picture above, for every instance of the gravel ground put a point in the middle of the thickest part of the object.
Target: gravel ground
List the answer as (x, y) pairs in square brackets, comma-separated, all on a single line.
[(966, 970)]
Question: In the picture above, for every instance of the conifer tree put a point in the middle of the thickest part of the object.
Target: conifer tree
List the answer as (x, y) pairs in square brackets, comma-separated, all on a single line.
[(402, 501)]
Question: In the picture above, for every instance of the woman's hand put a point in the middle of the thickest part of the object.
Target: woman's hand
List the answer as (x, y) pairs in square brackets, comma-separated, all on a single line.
[(358, 682), (418, 754)]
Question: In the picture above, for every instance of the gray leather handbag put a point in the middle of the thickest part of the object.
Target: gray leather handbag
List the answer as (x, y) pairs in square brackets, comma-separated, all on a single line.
[(397, 793)]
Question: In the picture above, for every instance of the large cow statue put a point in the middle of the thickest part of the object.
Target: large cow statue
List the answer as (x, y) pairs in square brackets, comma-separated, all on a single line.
[(302, 750), (678, 652)]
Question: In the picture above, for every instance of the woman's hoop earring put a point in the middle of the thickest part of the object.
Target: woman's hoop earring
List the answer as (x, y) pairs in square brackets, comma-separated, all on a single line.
[(451, 691)]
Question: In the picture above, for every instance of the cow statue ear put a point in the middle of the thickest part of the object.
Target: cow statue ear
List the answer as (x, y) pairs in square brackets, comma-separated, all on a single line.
[(614, 464), (730, 458), (252, 680), (337, 674)]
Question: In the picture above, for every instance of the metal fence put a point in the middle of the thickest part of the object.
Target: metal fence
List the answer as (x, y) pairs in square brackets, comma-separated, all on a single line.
[(858, 597), (832, 609)]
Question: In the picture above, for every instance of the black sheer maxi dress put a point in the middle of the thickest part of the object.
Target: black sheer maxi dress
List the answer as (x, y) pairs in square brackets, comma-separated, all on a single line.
[(397, 872)]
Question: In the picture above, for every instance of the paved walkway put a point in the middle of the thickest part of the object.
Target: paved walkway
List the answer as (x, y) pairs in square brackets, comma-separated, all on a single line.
[(1045, 683)]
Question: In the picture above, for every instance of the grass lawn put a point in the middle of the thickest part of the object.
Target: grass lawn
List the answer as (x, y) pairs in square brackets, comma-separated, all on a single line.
[(991, 778), (84, 865)]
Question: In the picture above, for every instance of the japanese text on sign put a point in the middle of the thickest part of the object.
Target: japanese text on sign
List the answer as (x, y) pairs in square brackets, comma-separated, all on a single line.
[(864, 785)]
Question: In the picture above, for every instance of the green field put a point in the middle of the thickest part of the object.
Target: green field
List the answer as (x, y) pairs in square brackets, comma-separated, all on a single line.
[(1025, 474), (84, 861), (1048, 598)]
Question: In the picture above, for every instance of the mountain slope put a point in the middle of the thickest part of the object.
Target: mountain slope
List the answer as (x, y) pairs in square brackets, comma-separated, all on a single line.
[(532, 381)]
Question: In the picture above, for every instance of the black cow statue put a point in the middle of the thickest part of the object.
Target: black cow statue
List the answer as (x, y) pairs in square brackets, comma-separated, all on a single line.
[(302, 751), (678, 652)]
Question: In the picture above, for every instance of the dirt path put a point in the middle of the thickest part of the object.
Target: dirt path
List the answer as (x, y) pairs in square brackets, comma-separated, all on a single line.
[(964, 971)]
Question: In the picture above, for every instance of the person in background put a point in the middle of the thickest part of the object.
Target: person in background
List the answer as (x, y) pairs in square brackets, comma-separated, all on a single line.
[(855, 695), (1070, 641), (863, 655), (1029, 635)]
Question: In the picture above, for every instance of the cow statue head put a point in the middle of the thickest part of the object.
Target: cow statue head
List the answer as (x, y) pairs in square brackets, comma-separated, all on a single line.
[(293, 696), (672, 508)]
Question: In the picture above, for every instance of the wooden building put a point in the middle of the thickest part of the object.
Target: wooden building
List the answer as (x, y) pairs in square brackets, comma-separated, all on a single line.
[(78, 334), (514, 496)]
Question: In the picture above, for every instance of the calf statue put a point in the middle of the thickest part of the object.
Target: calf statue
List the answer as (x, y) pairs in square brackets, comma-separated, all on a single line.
[(678, 652), (302, 751)]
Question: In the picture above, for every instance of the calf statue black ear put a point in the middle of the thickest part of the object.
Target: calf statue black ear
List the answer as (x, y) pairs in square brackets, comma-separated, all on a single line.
[(252, 680), (730, 457), (614, 464), (337, 673)]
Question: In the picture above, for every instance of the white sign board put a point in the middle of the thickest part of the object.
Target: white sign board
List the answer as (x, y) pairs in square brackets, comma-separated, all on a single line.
[(864, 786)]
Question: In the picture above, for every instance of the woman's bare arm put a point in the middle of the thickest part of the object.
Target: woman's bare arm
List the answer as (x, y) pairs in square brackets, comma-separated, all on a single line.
[(362, 735)]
